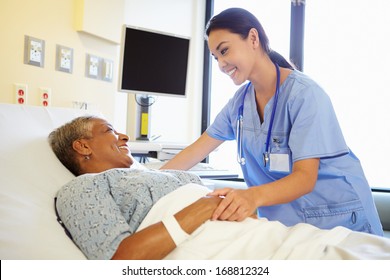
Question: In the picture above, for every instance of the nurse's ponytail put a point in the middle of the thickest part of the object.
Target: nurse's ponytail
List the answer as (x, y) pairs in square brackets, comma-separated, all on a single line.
[(280, 60), (240, 21)]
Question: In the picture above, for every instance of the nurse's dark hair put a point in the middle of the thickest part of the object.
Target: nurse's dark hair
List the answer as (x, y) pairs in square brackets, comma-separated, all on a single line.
[(240, 21)]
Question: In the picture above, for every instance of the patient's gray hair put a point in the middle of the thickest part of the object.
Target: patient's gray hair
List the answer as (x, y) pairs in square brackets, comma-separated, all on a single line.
[(61, 141)]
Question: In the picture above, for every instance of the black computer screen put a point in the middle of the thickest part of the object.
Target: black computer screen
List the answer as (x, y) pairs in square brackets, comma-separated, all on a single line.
[(153, 62)]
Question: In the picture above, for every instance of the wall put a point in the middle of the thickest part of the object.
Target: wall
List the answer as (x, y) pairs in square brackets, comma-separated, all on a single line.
[(175, 119), (53, 21)]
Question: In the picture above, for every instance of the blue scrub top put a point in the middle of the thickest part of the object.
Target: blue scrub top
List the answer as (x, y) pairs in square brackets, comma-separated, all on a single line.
[(305, 126)]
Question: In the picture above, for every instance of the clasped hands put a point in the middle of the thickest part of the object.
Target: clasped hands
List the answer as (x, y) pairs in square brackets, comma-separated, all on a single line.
[(236, 205)]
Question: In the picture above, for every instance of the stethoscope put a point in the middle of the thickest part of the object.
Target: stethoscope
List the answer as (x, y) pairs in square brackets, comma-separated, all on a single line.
[(240, 121)]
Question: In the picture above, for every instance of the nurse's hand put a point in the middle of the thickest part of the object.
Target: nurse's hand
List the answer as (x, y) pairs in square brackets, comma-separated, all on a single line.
[(236, 205)]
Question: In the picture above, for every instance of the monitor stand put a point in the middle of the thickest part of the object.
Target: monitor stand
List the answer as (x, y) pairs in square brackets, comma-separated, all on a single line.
[(144, 104)]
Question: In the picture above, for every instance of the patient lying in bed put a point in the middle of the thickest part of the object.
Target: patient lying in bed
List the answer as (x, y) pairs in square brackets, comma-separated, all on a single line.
[(113, 211)]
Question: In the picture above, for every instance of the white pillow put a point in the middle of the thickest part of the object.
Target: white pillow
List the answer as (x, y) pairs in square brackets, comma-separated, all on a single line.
[(30, 175)]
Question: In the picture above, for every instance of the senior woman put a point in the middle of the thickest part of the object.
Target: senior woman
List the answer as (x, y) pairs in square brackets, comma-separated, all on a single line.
[(102, 217)]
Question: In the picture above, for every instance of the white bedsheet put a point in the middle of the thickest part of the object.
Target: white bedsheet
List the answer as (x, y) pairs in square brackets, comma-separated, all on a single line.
[(263, 239)]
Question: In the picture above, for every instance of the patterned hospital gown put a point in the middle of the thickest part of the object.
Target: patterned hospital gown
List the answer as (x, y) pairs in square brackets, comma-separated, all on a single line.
[(100, 210)]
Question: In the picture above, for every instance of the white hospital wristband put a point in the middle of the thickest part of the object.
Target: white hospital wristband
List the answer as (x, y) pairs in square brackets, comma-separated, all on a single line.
[(174, 229)]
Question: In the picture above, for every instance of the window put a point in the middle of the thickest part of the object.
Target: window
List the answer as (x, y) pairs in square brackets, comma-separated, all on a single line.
[(275, 18), (347, 52)]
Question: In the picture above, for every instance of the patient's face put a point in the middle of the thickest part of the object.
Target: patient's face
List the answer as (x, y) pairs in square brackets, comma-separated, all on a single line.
[(109, 148)]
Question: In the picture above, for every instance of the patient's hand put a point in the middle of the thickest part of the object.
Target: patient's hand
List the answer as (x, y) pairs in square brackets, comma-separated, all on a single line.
[(155, 242), (254, 216), (235, 206)]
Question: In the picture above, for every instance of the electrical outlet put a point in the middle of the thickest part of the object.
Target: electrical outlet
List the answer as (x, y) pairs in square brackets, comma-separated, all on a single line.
[(64, 60), (92, 66), (45, 95), (21, 93), (34, 51), (108, 66)]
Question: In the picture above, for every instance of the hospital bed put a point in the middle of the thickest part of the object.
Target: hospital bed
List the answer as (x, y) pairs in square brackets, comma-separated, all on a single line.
[(30, 176)]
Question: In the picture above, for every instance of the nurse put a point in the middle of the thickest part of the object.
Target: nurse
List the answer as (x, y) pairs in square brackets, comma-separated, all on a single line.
[(289, 143)]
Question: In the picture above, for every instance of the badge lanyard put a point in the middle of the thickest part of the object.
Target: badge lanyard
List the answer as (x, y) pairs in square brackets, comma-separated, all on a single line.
[(240, 121)]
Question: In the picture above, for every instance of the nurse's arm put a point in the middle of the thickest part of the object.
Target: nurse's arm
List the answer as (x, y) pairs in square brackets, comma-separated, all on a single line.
[(300, 182), (239, 204), (194, 153)]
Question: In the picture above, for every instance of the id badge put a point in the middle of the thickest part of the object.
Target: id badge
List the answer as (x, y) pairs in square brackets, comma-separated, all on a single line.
[(279, 162)]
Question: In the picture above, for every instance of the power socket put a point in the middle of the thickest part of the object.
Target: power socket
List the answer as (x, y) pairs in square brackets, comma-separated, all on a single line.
[(34, 51), (64, 60), (92, 66), (21, 93), (45, 96)]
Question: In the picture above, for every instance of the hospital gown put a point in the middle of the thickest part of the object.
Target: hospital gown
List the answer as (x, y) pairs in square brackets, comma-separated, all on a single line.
[(100, 210)]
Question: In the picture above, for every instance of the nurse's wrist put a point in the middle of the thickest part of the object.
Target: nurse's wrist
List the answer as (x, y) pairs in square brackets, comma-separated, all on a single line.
[(259, 196)]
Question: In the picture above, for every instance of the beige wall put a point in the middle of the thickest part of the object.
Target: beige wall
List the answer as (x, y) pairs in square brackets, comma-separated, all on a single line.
[(53, 21)]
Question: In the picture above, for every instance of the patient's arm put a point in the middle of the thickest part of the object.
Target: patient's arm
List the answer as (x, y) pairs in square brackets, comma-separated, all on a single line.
[(154, 242)]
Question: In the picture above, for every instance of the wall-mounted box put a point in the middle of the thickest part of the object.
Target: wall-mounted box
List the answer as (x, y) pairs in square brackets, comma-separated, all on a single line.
[(103, 18), (34, 51), (64, 59), (107, 70), (92, 66)]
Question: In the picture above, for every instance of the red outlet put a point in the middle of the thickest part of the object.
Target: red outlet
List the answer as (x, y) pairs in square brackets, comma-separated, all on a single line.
[(21, 93), (45, 95)]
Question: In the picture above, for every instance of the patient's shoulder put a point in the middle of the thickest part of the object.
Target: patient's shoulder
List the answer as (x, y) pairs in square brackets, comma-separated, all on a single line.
[(85, 183)]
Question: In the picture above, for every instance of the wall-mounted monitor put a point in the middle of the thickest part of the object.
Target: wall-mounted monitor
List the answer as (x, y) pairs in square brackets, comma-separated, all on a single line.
[(153, 62)]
